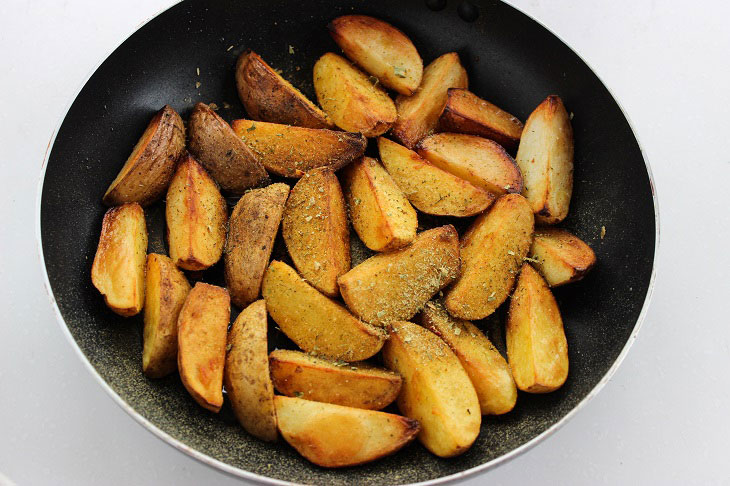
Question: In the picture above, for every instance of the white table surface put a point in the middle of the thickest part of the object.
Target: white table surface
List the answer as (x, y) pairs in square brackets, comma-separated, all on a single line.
[(663, 419)]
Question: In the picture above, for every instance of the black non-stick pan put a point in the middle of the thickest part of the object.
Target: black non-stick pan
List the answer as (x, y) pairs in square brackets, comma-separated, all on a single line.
[(512, 61)]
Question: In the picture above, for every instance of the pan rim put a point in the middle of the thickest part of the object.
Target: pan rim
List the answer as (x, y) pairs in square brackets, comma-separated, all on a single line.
[(241, 473)]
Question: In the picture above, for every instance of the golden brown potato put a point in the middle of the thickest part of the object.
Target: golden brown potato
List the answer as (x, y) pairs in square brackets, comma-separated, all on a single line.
[(394, 286), (350, 98), (118, 269), (246, 373), (358, 385), (418, 115), (148, 170), (380, 49), (560, 256), (201, 343), (291, 151), (316, 323), (269, 97), (196, 217), (545, 157), (536, 344), (489, 372), (316, 231), (436, 390), (335, 436), (380, 212), (428, 188), (230, 162), (482, 162), (467, 113), (252, 230), (492, 251), (165, 294)]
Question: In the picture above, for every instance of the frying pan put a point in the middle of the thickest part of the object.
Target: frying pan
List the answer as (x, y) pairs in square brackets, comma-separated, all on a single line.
[(512, 61)]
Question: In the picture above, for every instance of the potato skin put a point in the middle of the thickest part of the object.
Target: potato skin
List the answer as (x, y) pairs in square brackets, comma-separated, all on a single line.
[(536, 343), (118, 271), (230, 162), (196, 216), (379, 49), (148, 170), (269, 97), (166, 291), (246, 373), (252, 229), (291, 151), (358, 385), (560, 256)]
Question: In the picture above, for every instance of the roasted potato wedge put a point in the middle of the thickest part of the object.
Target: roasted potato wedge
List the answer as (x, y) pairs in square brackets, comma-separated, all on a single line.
[(316, 323), (316, 231), (230, 162), (196, 215), (489, 372), (545, 157), (467, 113), (380, 212), (381, 50), (482, 162), (394, 286), (430, 189), (536, 344), (251, 234), (560, 256), (201, 343), (269, 97), (492, 251), (436, 390), (119, 263), (358, 385), (335, 436), (165, 293), (246, 374), (148, 170), (418, 115), (291, 151), (350, 98)]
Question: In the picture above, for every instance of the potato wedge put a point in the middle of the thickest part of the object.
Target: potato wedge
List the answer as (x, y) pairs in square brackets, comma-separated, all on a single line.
[(291, 151), (430, 189), (166, 291), (246, 374), (380, 212), (251, 234), (119, 263), (545, 157), (335, 436), (418, 115), (536, 344), (492, 251), (560, 256), (467, 113), (394, 286), (316, 323), (148, 170), (230, 162), (316, 231), (487, 369), (268, 97), (358, 385), (350, 98), (201, 343), (436, 390), (196, 216), (482, 162), (380, 50)]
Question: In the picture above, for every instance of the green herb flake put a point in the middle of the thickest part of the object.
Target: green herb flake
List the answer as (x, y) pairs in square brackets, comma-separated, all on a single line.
[(251, 128), (399, 71)]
